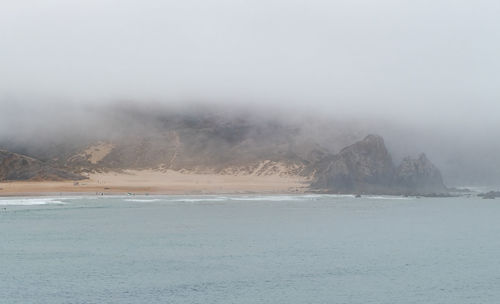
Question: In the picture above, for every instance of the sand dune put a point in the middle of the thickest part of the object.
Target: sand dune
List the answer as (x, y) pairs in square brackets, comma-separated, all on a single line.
[(159, 182)]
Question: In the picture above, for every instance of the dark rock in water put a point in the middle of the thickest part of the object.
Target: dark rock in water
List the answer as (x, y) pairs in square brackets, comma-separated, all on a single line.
[(367, 167), (490, 195), (14, 166), (419, 176)]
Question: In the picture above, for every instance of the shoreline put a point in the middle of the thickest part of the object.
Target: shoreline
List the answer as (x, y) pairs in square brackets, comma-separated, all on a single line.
[(154, 182), (132, 194)]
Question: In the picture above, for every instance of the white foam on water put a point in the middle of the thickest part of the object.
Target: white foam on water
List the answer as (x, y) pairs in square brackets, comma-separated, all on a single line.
[(273, 198), (312, 195), (188, 199), (201, 199), (337, 195), (138, 200), (374, 197), (263, 198), (30, 201), (388, 197)]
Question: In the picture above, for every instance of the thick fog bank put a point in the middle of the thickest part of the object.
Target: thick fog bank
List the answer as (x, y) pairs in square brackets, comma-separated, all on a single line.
[(466, 155)]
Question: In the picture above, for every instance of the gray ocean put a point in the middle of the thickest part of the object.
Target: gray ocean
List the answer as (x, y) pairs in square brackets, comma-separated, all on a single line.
[(249, 249)]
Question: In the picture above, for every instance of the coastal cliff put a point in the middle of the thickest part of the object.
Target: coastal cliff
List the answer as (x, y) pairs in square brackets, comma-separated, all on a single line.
[(237, 147), (366, 167), (419, 176)]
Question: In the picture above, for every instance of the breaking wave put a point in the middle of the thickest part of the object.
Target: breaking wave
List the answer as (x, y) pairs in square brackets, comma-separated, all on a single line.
[(138, 200), (30, 201), (273, 198), (201, 199)]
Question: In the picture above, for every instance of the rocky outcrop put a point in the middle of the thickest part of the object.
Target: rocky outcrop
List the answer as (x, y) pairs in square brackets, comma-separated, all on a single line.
[(490, 195), (419, 176), (14, 166), (367, 167), (364, 167)]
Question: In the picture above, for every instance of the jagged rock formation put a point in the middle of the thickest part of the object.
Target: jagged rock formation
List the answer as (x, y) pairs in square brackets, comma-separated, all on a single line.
[(419, 176), (19, 167), (367, 167), (364, 167)]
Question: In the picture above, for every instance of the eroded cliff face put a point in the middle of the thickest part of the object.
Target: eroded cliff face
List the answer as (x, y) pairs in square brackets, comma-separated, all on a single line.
[(14, 166), (419, 176), (367, 167), (364, 167)]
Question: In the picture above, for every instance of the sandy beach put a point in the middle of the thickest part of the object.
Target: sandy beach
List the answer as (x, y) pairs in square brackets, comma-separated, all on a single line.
[(158, 182)]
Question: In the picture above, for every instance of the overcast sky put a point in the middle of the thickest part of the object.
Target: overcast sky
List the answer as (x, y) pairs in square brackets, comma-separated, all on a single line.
[(428, 71), (409, 59)]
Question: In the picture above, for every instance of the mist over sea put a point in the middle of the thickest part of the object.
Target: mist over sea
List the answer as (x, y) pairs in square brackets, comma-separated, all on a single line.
[(249, 249)]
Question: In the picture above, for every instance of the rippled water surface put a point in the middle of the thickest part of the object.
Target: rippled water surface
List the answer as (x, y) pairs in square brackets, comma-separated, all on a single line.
[(249, 249)]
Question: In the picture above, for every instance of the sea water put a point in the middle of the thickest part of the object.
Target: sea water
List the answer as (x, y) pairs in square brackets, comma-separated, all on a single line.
[(249, 249)]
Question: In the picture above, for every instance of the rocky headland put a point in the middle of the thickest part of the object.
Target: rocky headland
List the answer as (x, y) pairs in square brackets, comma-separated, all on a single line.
[(213, 146), (366, 167)]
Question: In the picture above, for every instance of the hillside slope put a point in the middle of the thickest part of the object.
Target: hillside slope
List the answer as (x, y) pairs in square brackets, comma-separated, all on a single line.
[(233, 146), (14, 166)]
